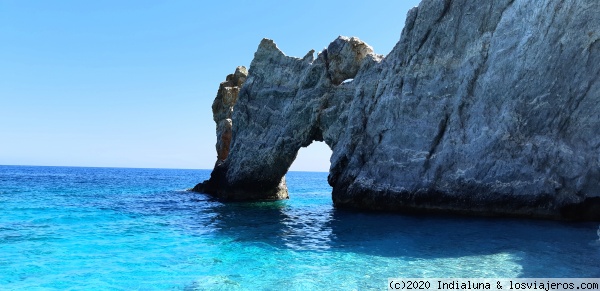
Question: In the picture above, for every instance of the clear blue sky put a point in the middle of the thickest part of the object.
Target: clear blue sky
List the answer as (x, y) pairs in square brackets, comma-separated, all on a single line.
[(131, 83)]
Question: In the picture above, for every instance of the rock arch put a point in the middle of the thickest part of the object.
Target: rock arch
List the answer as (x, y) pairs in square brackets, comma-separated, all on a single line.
[(472, 112), (283, 105)]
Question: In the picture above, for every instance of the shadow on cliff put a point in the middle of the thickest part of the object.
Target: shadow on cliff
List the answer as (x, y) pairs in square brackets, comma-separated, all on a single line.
[(534, 245)]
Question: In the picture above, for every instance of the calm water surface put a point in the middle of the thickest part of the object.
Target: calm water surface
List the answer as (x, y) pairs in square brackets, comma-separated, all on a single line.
[(123, 229)]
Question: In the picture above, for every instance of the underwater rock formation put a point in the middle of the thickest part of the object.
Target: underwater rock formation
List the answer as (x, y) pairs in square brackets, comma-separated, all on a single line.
[(482, 107)]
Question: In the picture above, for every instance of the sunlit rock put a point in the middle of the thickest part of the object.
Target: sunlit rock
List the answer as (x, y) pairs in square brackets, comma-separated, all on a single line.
[(483, 107)]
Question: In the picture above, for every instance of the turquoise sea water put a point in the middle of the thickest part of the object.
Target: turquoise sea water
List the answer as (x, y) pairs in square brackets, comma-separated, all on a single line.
[(137, 229)]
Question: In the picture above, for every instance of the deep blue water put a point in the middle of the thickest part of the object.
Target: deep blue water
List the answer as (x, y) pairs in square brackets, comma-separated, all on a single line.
[(112, 228)]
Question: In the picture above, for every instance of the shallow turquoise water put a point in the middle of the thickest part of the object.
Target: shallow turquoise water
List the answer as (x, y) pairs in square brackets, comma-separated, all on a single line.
[(136, 229)]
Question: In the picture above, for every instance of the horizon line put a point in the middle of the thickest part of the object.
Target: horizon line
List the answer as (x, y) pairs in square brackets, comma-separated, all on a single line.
[(148, 168)]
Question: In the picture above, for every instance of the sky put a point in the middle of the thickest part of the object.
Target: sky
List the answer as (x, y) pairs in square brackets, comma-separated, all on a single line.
[(117, 83)]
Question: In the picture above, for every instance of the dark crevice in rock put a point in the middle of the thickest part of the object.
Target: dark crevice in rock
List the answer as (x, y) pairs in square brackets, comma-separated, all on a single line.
[(326, 60), (594, 43), (444, 12), (447, 5), (436, 140), (424, 40)]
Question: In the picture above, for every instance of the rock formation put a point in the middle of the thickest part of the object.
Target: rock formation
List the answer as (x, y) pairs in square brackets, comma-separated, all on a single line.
[(222, 109), (483, 107)]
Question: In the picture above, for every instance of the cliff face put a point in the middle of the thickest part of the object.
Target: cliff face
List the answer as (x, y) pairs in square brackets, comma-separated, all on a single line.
[(483, 107)]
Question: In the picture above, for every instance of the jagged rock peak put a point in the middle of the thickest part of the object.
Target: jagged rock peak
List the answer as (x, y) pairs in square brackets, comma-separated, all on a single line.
[(268, 48), (344, 58)]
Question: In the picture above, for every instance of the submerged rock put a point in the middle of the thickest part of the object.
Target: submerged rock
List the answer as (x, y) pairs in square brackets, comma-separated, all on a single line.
[(483, 107)]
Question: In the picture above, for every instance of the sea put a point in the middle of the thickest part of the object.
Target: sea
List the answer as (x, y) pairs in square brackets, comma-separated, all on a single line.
[(73, 228)]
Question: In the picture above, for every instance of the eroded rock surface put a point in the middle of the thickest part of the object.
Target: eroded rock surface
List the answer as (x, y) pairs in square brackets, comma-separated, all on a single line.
[(483, 107), (222, 109)]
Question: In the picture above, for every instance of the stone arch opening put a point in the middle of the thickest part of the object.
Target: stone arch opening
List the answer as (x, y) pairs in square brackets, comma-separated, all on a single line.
[(307, 177), (312, 158)]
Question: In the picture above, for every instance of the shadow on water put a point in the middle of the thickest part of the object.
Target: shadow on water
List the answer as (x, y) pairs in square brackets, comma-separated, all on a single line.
[(542, 248)]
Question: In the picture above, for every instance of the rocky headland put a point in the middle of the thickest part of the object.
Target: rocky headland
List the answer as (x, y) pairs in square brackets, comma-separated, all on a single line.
[(482, 107)]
